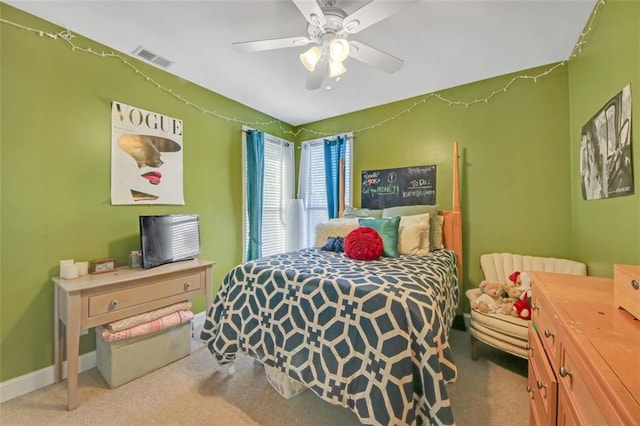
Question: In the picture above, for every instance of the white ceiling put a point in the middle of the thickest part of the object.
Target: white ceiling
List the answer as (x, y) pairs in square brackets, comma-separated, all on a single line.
[(444, 43)]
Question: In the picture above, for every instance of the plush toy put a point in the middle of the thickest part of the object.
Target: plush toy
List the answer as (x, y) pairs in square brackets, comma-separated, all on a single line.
[(523, 309), (490, 297), (511, 296)]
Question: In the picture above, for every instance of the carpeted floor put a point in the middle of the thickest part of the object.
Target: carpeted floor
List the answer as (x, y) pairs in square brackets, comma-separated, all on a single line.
[(194, 390)]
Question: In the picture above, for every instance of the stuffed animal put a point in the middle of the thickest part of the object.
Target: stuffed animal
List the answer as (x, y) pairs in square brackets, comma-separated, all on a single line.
[(511, 296), (490, 297), (523, 309)]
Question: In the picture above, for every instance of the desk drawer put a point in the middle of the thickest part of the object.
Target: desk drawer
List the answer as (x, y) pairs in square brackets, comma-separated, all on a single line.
[(124, 298)]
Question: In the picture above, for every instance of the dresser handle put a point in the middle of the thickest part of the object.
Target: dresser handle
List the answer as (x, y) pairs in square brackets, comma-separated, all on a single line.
[(548, 333), (186, 286), (535, 307), (540, 385), (529, 389), (114, 303), (635, 284), (564, 373)]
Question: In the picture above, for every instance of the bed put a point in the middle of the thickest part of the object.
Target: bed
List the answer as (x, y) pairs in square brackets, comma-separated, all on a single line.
[(371, 336)]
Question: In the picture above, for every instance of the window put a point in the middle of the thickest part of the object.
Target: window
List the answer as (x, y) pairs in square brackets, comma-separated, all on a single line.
[(312, 186), (278, 185)]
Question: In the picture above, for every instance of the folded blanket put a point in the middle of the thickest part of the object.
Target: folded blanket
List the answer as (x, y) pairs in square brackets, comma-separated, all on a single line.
[(147, 316), (171, 320)]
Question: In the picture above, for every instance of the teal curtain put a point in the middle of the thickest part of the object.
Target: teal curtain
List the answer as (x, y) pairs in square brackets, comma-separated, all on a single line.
[(334, 156), (255, 178)]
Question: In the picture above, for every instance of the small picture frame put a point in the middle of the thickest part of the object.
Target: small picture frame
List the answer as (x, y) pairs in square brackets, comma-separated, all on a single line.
[(100, 266)]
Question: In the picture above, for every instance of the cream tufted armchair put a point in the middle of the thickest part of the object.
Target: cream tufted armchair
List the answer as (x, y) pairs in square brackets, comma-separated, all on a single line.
[(506, 332)]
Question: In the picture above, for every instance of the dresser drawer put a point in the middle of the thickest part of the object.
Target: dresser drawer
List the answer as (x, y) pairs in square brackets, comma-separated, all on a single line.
[(626, 288), (547, 326), (128, 297), (577, 389), (542, 384)]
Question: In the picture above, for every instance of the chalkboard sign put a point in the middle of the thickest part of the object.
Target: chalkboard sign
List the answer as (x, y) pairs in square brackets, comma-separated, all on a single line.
[(405, 186)]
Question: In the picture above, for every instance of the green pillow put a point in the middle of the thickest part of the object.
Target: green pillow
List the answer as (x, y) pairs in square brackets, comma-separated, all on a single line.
[(432, 209), (388, 230)]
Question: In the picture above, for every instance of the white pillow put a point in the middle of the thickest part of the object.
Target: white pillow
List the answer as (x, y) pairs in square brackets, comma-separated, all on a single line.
[(437, 235), (411, 237), (325, 230), (421, 221)]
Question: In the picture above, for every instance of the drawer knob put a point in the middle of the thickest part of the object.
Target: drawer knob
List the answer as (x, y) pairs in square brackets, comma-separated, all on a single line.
[(114, 303), (529, 389), (535, 307), (187, 286), (564, 373), (540, 385), (635, 284), (548, 333)]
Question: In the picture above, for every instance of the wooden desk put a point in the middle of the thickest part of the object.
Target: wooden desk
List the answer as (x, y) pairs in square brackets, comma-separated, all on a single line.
[(93, 300)]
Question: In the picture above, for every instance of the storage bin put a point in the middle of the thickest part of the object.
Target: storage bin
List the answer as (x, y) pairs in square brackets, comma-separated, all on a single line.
[(121, 361), (282, 383)]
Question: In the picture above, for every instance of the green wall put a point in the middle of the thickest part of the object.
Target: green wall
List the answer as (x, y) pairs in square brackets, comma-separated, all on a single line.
[(56, 162), (515, 189), (606, 231), (520, 150)]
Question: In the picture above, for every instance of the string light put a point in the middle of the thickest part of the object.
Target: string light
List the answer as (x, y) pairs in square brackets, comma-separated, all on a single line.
[(68, 37)]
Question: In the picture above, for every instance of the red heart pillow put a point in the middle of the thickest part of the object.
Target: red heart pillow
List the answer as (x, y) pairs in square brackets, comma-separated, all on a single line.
[(363, 243)]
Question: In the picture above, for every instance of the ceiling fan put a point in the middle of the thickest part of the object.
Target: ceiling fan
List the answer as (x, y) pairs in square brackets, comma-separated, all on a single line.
[(328, 28)]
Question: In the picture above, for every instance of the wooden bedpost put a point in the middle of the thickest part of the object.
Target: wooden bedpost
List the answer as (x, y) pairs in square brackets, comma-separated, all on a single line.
[(457, 234)]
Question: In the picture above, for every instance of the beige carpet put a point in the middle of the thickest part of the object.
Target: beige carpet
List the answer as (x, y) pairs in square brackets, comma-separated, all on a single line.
[(194, 390)]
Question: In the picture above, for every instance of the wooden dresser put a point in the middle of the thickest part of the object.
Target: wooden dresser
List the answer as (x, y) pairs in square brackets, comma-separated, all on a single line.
[(584, 354)]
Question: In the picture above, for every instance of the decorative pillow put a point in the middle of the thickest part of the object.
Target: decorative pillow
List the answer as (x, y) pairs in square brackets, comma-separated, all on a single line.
[(411, 239), (345, 221), (437, 235), (355, 212), (421, 220), (388, 230), (334, 244), (325, 230), (363, 243), (432, 209)]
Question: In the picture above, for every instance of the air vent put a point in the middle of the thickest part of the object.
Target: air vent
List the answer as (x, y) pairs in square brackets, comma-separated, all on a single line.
[(149, 56)]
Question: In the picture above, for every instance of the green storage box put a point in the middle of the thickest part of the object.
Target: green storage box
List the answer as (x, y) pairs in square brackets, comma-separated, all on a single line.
[(125, 360)]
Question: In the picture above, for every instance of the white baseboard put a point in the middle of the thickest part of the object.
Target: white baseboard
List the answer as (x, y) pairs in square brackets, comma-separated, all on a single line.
[(38, 379), (35, 380)]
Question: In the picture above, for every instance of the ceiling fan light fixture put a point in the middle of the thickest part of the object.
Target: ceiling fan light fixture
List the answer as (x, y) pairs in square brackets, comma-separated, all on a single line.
[(338, 49), (311, 57), (336, 69)]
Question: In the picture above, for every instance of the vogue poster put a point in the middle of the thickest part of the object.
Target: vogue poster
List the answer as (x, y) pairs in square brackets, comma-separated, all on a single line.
[(605, 150), (146, 157)]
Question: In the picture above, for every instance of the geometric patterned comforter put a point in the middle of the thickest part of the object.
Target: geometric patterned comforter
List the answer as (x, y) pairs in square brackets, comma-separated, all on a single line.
[(372, 336)]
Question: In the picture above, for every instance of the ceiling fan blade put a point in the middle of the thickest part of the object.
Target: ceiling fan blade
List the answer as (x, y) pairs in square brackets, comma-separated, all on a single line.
[(374, 57), (314, 80), (274, 43), (311, 11), (372, 12)]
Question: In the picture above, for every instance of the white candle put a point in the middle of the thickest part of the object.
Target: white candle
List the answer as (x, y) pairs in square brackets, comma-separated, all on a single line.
[(83, 268), (68, 269)]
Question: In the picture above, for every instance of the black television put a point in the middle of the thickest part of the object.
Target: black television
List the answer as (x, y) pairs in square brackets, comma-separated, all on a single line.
[(169, 238)]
